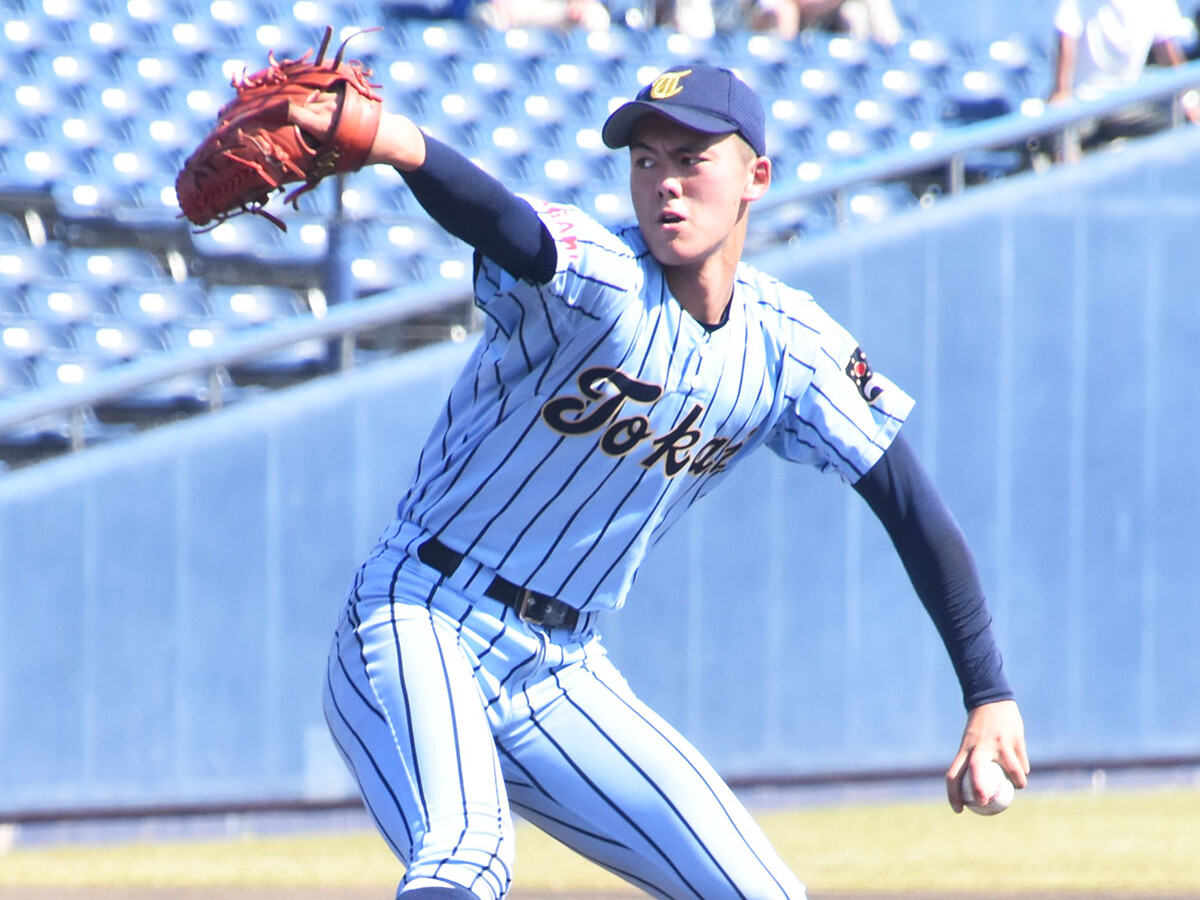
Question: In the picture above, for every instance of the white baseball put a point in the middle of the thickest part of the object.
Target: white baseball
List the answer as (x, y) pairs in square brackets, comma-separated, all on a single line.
[(998, 790)]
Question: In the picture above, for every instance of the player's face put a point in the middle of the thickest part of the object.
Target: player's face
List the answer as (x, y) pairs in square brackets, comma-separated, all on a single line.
[(690, 190)]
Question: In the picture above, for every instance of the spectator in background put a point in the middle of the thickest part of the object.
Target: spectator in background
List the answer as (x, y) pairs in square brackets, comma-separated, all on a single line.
[(691, 17), (1103, 46), (865, 20), (504, 14)]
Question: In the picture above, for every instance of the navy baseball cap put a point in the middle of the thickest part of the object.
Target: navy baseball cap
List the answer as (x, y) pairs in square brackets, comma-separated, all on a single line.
[(699, 96)]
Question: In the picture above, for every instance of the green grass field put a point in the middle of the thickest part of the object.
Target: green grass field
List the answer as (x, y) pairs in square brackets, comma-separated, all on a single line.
[(1147, 842)]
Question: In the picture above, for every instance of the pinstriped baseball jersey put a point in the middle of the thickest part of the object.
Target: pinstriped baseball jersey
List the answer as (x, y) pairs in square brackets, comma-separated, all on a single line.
[(596, 410)]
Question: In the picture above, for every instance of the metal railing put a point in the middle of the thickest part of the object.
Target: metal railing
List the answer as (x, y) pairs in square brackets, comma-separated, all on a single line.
[(951, 149), (344, 322)]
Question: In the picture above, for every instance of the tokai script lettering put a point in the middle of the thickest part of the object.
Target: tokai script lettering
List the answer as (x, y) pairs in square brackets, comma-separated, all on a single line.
[(608, 402)]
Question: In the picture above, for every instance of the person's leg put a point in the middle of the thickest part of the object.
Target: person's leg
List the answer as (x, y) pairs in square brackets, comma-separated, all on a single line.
[(405, 711), (604, 774)]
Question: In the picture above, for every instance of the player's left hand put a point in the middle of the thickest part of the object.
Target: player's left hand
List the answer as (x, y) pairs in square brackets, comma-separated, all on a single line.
[(398, 141), (255, 148), (995, 731)]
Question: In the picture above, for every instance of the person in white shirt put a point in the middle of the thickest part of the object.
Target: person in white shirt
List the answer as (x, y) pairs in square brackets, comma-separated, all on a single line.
[(1103, 46)]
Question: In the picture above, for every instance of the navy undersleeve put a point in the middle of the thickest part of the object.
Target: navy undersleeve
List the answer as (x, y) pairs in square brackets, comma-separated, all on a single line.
[(940, 565), (476, 208)]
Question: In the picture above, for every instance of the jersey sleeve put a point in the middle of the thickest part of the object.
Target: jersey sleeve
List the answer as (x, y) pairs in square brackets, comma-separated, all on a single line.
[(842, 415), (596, 269)]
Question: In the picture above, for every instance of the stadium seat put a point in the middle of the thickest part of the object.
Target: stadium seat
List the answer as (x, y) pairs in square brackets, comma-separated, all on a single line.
[(45, 436), (977, 92), (24, 93), (12, 232), (110, 339), (32, 165), (900, 80), (880, 116), (161, 302), (492, 75), (256, 237), (386, 254), (70, 64), (68, 301), (238, 307), (107, 419), (149, 205), (28, 29), (410, 79), (116, 31), (110, 266), (203, 36), (20, 128), (154, 12), (82, 130), (377, 192), (25, 264), (16, 377), (66, 366), (555, 175), (31, 338), (790, 116), (868, 204), (522, 43), (578, 45), (848, 141), (930, 52), (150, 67), (166, 137), (242, 306), (318, 13), (444, 39), (791, 221), (824, 85), (609, 205), (12, 307), (746, 50)]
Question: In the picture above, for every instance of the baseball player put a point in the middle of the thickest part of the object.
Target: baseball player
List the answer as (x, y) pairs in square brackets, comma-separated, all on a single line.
[(620, 376)]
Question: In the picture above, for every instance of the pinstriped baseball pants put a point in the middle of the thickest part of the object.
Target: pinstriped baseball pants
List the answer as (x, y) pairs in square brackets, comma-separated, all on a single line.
[(451, 712)]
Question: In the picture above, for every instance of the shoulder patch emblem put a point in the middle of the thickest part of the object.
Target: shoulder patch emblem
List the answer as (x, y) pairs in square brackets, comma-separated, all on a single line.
[(860, 373)]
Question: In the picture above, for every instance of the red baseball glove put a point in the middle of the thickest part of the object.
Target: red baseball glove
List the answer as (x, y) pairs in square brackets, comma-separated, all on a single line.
[(255, 149)]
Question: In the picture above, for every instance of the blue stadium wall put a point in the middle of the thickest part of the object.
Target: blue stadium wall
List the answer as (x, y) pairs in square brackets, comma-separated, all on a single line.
[(166, 602)]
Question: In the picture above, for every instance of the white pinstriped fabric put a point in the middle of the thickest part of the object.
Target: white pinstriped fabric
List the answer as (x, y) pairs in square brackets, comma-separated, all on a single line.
[(596, 410), (592, 414)]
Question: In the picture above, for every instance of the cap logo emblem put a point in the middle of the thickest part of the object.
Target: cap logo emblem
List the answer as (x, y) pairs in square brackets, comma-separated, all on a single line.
[(668, 84)]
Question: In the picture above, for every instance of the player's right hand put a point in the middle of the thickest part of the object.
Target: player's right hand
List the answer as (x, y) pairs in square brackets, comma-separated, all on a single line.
[(994, 731)]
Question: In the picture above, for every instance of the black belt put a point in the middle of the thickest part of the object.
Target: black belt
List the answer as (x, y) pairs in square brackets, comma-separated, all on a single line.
[(532, 607)]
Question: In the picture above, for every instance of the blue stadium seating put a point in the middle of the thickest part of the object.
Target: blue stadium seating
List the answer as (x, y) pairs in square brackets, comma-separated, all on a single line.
[(257, 237), (161, 302), (241, 306), (101, 103), (15, 377), (12, 232), (29, 338), (68, 301)]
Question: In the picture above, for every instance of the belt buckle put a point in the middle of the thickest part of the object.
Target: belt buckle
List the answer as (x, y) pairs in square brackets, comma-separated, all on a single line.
[(528, 606)]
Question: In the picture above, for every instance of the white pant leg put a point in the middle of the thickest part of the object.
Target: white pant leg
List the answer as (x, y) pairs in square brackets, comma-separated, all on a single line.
[(607, 776), (406, 712)]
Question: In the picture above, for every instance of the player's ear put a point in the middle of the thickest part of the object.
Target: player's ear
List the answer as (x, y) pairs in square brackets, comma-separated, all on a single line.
[(759, 180)]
